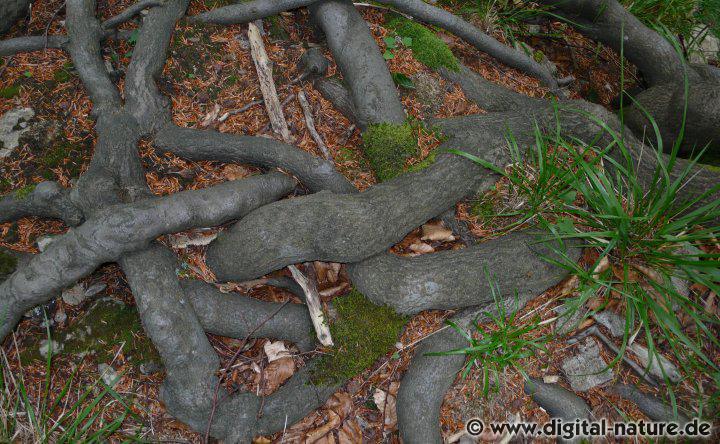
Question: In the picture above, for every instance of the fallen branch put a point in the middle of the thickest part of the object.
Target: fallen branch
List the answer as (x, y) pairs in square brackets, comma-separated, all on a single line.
[(267, 85), (307, 111), (312, 299)]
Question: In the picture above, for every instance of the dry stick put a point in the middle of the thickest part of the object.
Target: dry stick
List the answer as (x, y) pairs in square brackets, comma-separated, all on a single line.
[(267, 85), (312, 299), (310, 123), (232, 361)]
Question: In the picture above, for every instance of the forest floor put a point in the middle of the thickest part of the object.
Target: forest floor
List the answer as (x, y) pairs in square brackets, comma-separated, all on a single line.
[(210, 73)]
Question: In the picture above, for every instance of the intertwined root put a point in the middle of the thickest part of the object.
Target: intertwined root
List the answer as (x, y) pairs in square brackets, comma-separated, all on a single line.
[(120, 218)]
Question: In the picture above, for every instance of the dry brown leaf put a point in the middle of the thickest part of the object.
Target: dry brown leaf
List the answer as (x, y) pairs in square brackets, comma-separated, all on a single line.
[(261, 440), (333, 422), (333, 291), (234, 172), (276, 373), (340, 403), (351, 433), (437, 232), (385, 402), (210, 116), (421, 247), (275, 350)]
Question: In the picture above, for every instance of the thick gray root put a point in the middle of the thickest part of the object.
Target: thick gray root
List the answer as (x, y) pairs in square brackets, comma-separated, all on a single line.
[(650, 405), (11, 11), (334, 91), (443, 19), (189, 388), (666, 105), (609, 22), (357, 55), (237, 316), (125, 228), (248, 11), (462, 278), (48, 199), (315, 173), (557, 401), (350, 228)]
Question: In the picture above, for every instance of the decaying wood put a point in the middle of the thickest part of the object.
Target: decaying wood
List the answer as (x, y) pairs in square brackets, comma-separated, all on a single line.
[(267, 85), (307, 111), (312, 299)]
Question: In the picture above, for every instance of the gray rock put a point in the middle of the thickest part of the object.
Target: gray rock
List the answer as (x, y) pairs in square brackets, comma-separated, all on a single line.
[(568, 322), (74, 295), (587, 369), (49, 346), (659, 363), (44, 241), (108, 374), (12, 124), (610, 320), (150, 367)]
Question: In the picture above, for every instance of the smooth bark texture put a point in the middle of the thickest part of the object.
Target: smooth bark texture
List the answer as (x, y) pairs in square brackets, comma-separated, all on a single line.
[(47, 199)]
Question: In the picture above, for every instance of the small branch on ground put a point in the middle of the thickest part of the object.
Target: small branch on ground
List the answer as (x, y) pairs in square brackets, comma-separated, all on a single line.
[(307, 111), (312, 299)]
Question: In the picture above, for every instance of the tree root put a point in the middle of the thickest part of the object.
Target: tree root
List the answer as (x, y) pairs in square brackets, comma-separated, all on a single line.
[(248, 11), (116, 230), (460, 278), (371, 86), (315, 173), (47, 199)]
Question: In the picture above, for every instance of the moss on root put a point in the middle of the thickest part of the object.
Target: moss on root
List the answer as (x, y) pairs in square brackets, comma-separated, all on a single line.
[(8, 262), (388, 146), (427, 47), (24, 192), (363, 332)]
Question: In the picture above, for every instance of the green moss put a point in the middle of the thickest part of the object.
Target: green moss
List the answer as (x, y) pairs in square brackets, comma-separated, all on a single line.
[(483, 208), (363, 332), (107, 324), (10, 91), (427, 47), (276, 29), (8, 262), (387, 147), (24, 192)]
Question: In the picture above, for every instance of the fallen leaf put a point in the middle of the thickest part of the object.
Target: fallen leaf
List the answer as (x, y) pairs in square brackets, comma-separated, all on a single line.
[(421, 247), (234, 172), (210, 116), (351, 433), (385, 402), (181, 241), (333, 291), (275, 350), (436, 232), (315, 435), (340, 403), (276, 373)]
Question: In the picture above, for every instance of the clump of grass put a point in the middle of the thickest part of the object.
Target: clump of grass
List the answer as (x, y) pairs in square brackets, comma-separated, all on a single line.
[(427, 47), (24, 192), (363, 332), (503, 344), (388, 146), (679, 16), (52, 416)]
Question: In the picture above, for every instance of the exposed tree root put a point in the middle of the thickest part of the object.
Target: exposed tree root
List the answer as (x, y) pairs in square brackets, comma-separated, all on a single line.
[(336, 224), (459, 279), (47, 199)]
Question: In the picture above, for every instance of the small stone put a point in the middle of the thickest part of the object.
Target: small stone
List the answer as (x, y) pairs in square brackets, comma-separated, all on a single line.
[(49, 346), (74, 295), (95, 289), (551, 379), (150, 367), (656, 369), (587, 369), (60, 317), (12, 124), (610, 320), (567, 323), (108, 374), (44, 241)]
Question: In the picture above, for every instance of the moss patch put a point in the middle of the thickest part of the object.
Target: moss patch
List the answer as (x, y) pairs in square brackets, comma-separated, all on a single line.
[(8, 262), (106, 325), (24, 192), (387, 147), (363, 332), (427, 47), (9, 92), (276, 28)]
